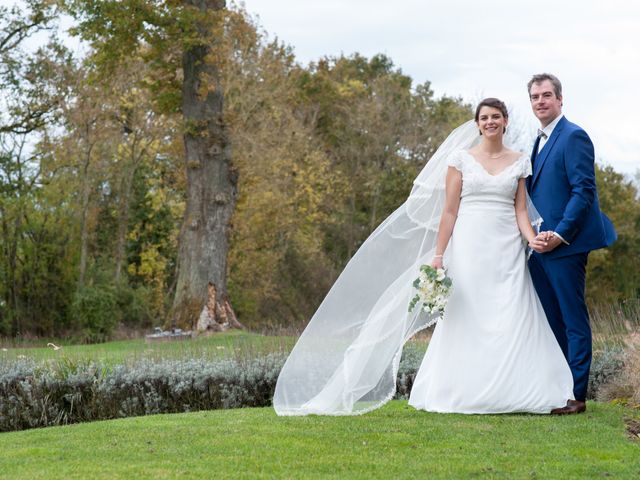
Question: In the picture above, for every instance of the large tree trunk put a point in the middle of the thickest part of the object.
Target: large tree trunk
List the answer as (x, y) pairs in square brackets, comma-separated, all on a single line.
[(12, 233), (10, 252), (201, 287), (84, 213), (124, 203)]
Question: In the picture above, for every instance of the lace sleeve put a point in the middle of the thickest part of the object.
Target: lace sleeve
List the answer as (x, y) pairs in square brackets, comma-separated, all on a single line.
[(525, 170), (455, 160)]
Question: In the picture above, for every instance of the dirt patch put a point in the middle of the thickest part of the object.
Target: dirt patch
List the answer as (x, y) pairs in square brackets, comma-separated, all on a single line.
[(633, 428)]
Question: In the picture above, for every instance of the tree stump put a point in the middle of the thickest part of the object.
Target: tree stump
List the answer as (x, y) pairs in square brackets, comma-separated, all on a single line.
[(217, 314)]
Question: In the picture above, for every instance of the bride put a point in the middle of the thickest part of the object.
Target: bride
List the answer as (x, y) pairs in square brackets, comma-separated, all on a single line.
[(493, 351)]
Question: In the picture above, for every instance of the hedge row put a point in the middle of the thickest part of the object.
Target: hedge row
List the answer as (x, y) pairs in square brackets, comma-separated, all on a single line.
[(39, 395)]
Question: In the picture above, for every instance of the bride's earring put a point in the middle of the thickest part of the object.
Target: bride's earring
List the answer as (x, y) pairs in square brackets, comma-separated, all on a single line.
[(480, 131)]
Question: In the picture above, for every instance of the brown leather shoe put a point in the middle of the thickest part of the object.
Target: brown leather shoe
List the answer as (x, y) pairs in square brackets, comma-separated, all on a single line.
[(572, 406)]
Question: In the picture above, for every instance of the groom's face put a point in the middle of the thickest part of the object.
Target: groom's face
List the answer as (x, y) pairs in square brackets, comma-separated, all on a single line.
[(544, 102)]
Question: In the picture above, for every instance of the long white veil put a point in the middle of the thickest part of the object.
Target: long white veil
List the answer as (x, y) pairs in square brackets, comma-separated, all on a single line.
[(346, 360)]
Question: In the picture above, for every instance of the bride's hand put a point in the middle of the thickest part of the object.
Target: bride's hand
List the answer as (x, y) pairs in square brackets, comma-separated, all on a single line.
[(437, 262)]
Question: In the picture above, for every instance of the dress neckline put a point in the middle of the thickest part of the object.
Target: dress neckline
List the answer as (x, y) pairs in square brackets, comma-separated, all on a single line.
[(486, 171)]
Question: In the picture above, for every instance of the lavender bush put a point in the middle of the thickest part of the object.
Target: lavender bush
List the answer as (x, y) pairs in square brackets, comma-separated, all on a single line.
[(65, 391)]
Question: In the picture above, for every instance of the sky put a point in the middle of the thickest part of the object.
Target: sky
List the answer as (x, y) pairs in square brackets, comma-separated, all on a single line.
[(477, 49)]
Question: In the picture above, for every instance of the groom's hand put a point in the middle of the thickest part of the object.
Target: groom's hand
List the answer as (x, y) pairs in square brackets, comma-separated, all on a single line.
[(545, 242), (553, 242)]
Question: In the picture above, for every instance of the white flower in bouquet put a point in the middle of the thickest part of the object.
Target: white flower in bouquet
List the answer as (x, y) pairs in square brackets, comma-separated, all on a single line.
[(433, 290)]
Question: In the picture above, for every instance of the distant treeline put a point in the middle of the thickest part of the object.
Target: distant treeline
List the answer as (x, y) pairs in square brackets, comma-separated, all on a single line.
[(92, 180)]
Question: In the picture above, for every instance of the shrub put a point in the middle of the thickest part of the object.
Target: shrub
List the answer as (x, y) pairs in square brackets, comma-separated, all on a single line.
[(66, 391), (33, 395), (97, 309), (624, 384), (134, 305), (606, 365), (94, 313), (410, 362)]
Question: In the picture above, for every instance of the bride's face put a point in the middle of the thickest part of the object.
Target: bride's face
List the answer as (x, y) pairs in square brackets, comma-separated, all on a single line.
[(491, 122)]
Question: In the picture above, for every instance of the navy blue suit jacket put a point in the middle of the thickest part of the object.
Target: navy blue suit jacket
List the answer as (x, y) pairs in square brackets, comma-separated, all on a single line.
[(563, 189)]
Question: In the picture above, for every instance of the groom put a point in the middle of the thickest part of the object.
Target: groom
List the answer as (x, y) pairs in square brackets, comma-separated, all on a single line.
[(563, 189)]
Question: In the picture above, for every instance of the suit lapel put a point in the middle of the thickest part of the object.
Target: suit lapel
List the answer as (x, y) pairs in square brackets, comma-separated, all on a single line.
[(542, 156)]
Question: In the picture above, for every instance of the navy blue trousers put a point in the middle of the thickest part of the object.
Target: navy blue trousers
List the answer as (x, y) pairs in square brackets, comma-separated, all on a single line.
[(560, 283)]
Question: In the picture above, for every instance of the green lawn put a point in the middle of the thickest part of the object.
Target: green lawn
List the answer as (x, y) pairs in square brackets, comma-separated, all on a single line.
[(232, 343), (393, 442), (218, 345)]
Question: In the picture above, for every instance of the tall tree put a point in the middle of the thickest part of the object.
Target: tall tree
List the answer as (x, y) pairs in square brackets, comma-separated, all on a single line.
[(26, 104), (187, 80), (378, 131), (613, 273), (211, 181)]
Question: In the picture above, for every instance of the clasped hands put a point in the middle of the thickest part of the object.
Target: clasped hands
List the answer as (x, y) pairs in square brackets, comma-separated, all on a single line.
[(544, 242)]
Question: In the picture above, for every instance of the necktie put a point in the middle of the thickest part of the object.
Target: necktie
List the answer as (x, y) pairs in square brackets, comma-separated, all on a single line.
[(536, 146), (541, 136)]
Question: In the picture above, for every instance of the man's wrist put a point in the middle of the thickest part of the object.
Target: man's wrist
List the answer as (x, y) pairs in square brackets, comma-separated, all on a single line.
[(556, 234)]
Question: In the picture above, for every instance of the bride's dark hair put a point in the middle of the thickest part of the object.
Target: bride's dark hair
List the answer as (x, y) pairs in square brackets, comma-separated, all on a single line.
[(493, 103)]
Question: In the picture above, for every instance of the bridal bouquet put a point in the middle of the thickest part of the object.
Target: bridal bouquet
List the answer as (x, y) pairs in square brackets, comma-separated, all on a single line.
[(433, 287)]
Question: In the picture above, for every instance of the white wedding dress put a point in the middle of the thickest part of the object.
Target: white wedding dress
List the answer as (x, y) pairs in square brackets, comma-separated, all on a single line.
[(493, 351)]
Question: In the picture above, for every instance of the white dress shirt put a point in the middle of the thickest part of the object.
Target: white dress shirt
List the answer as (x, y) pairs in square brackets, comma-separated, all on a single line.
[(548, 130)]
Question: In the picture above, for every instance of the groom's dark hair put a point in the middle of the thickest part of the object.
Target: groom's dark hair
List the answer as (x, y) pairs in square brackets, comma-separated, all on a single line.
[(541, 77)]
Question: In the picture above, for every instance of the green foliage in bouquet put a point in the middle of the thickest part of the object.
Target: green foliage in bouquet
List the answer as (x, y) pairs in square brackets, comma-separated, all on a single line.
[(433, 287)]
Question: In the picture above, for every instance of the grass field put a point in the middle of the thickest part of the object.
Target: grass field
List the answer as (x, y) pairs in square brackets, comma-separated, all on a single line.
[(611, 328), (223, 344), (395, 441)]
